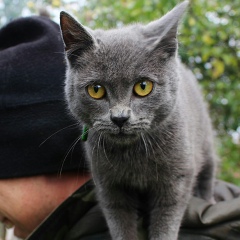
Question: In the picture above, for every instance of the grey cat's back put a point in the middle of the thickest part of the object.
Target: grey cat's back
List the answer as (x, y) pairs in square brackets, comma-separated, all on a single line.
[(200, 131), (196, 106)]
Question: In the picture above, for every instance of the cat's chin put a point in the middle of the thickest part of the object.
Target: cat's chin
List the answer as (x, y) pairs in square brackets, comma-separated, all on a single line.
[(122, 138)]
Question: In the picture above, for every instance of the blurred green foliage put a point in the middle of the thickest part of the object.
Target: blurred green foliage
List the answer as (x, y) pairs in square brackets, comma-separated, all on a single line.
[(209, 44)]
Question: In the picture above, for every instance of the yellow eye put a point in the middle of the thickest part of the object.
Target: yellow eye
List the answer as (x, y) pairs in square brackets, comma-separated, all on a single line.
[(143, 88), (96, 91)]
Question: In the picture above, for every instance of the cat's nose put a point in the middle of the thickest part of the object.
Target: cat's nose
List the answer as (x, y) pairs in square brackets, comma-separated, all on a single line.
[(119, 121), (119, 117)]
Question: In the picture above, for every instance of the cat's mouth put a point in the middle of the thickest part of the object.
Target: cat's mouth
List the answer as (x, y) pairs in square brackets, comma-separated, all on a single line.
[(123, 137), (123, 134)]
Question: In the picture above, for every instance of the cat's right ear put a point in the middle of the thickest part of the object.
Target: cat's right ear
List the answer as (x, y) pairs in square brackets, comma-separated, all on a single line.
[(75, 36)]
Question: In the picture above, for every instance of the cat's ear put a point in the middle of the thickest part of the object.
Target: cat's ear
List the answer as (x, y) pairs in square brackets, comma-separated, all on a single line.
[(75, 36), (163, 32)]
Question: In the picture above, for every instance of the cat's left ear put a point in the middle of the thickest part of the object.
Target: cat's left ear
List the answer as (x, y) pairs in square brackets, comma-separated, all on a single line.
[(163, 32), (75, 36)]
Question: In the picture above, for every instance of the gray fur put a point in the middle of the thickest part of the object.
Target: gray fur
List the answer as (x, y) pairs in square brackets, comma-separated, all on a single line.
[(164, 151)]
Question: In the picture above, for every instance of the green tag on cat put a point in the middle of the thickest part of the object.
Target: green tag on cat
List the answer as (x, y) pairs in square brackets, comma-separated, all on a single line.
[(84, 133)]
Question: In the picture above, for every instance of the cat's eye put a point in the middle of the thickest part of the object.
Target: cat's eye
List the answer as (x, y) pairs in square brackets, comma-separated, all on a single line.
[(143, 88), (96, 91)]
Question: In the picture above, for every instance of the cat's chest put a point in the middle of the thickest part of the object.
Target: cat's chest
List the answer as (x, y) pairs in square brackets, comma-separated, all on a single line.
[(131, 167)]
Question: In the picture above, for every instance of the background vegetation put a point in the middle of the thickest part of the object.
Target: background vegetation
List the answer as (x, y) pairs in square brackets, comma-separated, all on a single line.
[(209, 45)]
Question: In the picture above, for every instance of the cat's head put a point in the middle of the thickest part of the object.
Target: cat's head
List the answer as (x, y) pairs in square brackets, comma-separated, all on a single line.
[(122, 82)]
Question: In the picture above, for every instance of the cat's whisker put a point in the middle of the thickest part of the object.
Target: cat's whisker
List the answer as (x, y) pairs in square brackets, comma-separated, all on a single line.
[(104, 150), (167, 133), (145, 144), (98, 149), (95, 136), (155, 141), (148, 138), (75, 124), (69, 150), (150, 143)]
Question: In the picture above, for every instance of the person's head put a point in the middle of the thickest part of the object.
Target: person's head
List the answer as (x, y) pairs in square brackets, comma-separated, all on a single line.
[(41, 162)]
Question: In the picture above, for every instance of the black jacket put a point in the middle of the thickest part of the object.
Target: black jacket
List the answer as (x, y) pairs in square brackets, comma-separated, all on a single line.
[(80, 218)]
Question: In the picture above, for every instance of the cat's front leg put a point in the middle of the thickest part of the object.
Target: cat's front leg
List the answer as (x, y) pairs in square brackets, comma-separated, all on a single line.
[(167, 212), (119, 212)]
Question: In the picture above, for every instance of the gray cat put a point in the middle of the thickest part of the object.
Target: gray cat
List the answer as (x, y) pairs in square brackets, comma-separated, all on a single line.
[(150, 144)]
